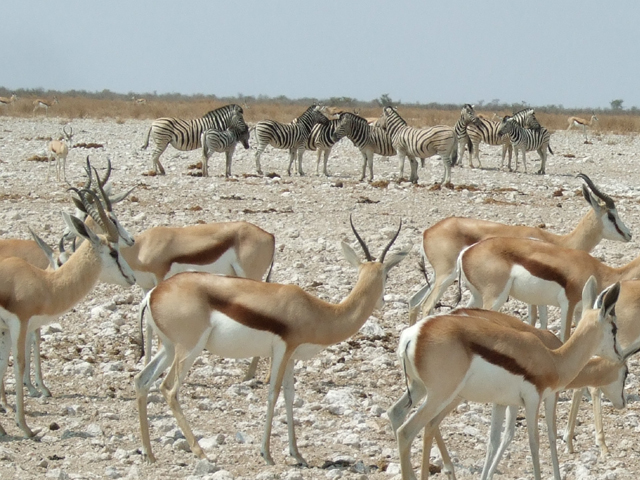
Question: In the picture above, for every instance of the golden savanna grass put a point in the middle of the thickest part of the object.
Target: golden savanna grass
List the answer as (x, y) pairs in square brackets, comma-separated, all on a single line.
[(71, 107)]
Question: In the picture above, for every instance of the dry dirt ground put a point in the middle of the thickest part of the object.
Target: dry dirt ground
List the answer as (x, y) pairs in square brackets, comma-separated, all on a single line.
[(89, 428)]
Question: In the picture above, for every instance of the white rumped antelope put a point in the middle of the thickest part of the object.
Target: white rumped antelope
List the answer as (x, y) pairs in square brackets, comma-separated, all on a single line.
[(58, 150), (443, 242), (581, 122), (8, 101), (598, 372), (31, 297), (237, 317), (628, 321), (448, 357), (535, 272), (40, 103), (139, 101)]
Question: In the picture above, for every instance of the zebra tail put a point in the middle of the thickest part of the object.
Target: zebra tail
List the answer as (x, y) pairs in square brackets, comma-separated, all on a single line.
[(550, 151), (146, 142), (469, 146), (454, 155)]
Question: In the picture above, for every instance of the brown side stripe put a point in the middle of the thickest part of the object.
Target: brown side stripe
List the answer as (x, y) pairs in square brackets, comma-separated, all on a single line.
[(208, 256), (249, 318), (543, 271), (504, 361)]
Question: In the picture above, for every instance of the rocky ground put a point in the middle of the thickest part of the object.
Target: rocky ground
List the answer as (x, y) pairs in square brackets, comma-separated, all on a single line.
[(89, 428)]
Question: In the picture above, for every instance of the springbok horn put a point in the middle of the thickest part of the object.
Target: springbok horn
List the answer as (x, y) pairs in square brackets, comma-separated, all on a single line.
[(362, 244), (606, 198), (105, 198), (384, 252)]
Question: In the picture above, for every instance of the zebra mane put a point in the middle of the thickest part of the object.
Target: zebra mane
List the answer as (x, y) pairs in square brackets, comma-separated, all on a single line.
[(226, 110)]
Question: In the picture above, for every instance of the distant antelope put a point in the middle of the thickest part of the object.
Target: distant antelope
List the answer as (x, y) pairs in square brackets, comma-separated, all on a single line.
[(60, 149), (8, 101), (39, 103), (581, 122), (139, 101)]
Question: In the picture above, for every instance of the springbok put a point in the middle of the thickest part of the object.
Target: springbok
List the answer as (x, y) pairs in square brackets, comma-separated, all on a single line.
[(40, 103), (58, 150), (598, 372), (8, 101), (448, 357), (237, 317), (581, 122), (31, 297)]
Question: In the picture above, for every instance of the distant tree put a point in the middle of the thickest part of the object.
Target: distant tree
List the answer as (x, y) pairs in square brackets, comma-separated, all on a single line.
[(385, 100), (616, 104)]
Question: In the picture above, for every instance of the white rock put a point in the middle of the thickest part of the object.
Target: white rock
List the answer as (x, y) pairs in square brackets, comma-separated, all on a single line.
[(204, 466), (57, 474)]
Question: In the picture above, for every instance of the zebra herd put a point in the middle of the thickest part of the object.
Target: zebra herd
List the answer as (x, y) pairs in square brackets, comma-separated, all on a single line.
[(221, 129)]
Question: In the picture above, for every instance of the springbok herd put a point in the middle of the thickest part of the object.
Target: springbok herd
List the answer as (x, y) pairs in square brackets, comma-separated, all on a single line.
[(174, 235)]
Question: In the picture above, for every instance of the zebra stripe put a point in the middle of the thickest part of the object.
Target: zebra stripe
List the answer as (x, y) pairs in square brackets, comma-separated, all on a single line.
[(322, 139), (224, 141), (288, 136), (421, 142), (526, 140), (467, 116), (185, 134), (368, 139)]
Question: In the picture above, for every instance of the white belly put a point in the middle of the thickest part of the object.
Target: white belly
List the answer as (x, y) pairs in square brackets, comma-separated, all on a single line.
[(534, 290), (224, 266), (488, 383), (231, 339)]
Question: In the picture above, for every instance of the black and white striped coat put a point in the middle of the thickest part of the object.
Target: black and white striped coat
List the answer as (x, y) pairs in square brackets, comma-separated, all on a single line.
[(322, 140), (185, 134), (527, 140), (224, 141), (288, 136), (421, 143), (368, 139), (467, 117)]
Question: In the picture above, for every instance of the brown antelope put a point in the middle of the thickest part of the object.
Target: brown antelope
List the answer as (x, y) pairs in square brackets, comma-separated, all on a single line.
[(535, 272), (31, 297), (40, 103), (628, 315), (443, 242), (139, 101), (598, 372), (8, 101), (58, 150), (448, 357), (581, 122), (238, 317)]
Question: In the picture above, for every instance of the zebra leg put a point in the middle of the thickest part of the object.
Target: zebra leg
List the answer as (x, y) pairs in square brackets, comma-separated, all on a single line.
[(228, 157), (155, 160), (446, 163), (300, 155), (543, 160), (413, 163), (318, 164), (401, 161), (462, 144), (326, 159), (292, 156), (258, 154), (524, 160)]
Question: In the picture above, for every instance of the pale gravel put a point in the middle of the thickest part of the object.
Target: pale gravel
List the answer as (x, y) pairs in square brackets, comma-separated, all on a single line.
[(342, 393)]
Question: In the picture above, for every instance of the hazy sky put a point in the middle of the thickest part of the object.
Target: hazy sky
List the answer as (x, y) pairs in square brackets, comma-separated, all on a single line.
[(581, 53)]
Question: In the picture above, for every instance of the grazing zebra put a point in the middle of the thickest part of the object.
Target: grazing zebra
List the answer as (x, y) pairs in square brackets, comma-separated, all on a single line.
[(322, 140), (224, 141), (527, 140), (185, 134), (467, 116), (288, 136), (421, 142), (368, 139)]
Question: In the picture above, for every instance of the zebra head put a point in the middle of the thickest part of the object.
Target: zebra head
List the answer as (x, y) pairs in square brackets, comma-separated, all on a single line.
[(507, 126), (239, 128), (526, 118), (468, 115), (347, 123), (392, 120)]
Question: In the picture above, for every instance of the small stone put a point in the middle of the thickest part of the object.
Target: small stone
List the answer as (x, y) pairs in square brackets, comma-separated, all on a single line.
[(112, 472), (204, 467), (57, 474), (94, 430), (221, 475), (54, 426), (182, 444)]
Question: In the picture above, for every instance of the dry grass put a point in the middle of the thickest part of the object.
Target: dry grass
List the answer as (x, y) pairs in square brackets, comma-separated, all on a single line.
[(71, 107)]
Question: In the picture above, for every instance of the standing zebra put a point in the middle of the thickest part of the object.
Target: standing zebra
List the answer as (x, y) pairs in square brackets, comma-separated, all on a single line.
[(421, 142), (216, 141), (467, 116), (368, 139), (322, 139), (288, 136), (526, 140), (185, 134)]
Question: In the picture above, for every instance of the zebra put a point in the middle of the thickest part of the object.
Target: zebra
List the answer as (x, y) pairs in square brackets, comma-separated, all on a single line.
[(185, 134), (526, 140), (368, 139), (484, 130), (467, 116), (224, 141), (322, 140), (288, 136), (421, 142)]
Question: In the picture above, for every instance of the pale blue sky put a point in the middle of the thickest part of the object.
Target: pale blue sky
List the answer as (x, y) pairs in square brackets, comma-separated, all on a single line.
[(581, 53)]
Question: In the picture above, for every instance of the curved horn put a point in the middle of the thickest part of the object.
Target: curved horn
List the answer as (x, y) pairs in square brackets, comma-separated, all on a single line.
[(70, 133), (96, 211), (106, 175), (61, 245), (362, 244), (608, 201), (386, 249), (87, 169), (105, 198)]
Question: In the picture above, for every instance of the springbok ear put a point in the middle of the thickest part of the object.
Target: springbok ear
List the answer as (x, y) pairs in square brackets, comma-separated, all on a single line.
[(588, 196), (350, 254), (395, 258), (45, 248), (609, 299), (79, 228), (589, 293)]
